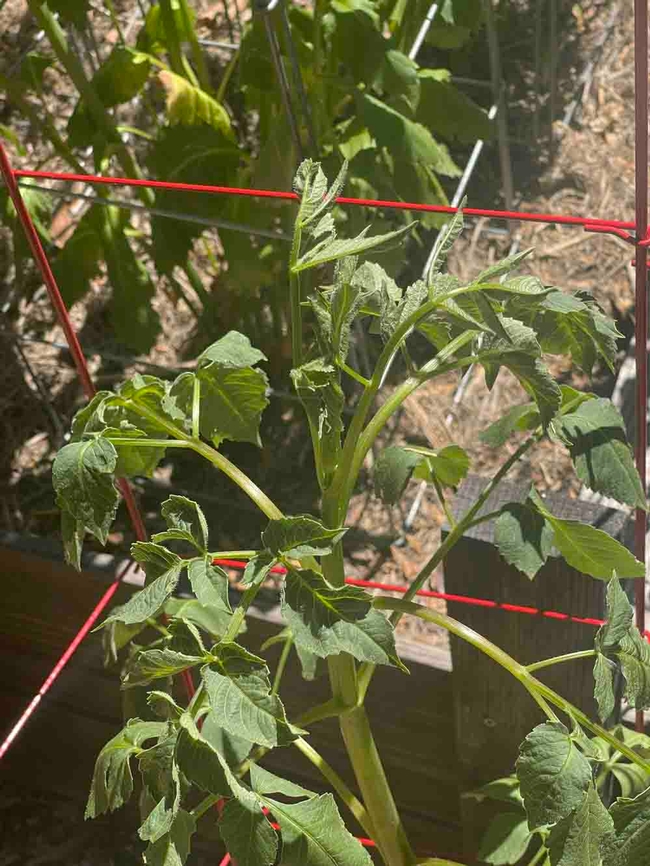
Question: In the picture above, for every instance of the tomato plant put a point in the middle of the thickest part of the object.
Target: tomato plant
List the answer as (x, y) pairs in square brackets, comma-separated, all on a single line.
[(497, 320)]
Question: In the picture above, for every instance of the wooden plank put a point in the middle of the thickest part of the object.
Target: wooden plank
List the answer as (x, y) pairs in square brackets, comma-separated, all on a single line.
[(493, 712)]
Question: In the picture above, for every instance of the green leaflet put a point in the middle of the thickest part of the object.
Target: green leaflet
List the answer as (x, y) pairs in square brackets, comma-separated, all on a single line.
[(200, 762), (160, 819), (257, 568), (588, 549), (522, 417), (248, 836), (523, 537), (233, 394), (185, 521), (213, 620), (311, 185), (574, 325), (82, 475), (395, 314), (155, 664), (163, 705), (209, 584), (313, 832), (603, 460), (510, 263), (407, 140), (631, 778), (239, 692), (173, 848), (163, 570), (631, 843), (396, 464), (553, 774), (232, 749), (392, 471), (447, 111), (318, 386), (157, 765), (448, 465), (331, 249), (345, 302), (327, 620), (264, 782), (604, 695), (506, 840), (112, 783), (582, 837), (191, 106), (300, 536)]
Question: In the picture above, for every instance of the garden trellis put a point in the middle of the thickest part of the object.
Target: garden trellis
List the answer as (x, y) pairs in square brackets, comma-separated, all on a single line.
[(633, 232)]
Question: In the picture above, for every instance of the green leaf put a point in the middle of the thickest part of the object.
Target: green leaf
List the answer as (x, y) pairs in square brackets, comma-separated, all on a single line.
[(157, 762), (634, 656), (82, 475), (173, 848), (233, 394), (112, 783), (163, 570), (239, 692), (185, 518), (523, 537), (318, 386), (620, 618), (632, 828), (588, 549), (200, 762), (392, 471), (449, 465), (213, 620), (505, 790), (631, 778), (506, 840), (447, 237), (72, 536), (394, 315), (191, 106), (233, 749), (519, 418), (300, 536), (310, 184), (525, 285), (405, 139), (264, 782), (445, 110), (574, 325), (581, 838), (257, 568), (345, 302), (249, 838), (148, 665), (332, 249), (160, 819), (313, 832), (553, 774), (164, 706), (329, 620), (604, 686), (603, 460), (209, 584)]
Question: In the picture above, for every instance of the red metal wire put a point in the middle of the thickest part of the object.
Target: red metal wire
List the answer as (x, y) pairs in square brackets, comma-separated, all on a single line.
[(641, 292), (445, 596), (520, 216)]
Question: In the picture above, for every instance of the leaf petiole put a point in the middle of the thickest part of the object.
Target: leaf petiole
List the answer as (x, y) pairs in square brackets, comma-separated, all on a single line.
[(354, 374), (556, 660), (148, 443)]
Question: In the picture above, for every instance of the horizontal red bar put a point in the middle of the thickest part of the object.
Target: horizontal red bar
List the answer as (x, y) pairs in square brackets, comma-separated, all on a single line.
[(558, 219)]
